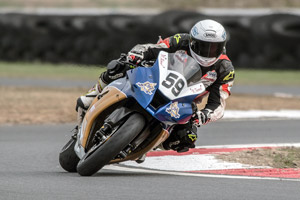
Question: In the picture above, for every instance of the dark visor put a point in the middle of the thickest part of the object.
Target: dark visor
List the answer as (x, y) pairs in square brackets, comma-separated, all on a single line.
[(206, 49)]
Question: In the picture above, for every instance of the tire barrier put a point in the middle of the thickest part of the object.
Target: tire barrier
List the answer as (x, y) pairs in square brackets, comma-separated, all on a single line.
[(264, 41)]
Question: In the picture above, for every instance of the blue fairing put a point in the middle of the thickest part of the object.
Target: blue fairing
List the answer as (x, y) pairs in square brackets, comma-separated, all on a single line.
[(142, 83), (143, 75), (130, 84)]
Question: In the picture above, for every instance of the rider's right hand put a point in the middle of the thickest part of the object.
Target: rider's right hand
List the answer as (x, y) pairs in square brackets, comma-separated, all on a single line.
[(202, 117), (135, 57)]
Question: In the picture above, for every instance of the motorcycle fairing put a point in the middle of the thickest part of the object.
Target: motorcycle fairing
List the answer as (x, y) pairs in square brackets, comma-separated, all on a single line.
[(143, 83), (112, 95)]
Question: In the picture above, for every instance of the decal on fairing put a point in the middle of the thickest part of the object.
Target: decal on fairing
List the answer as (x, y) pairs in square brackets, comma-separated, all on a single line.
[(92, 108), (173, 110), (197, 88), (147, 87), (163, 60), (172, 84)]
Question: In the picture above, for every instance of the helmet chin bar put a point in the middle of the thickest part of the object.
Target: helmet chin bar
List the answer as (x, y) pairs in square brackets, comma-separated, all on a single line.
[(204, 62)]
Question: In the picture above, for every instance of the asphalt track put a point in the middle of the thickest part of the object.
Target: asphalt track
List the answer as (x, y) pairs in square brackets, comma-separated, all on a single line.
[(29, 167)]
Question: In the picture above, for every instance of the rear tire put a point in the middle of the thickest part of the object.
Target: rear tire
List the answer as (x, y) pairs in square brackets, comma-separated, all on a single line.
[(95, 160), (68, 159)]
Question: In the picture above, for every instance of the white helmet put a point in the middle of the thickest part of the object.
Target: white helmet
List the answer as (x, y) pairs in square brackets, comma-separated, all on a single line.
[(207, 41)]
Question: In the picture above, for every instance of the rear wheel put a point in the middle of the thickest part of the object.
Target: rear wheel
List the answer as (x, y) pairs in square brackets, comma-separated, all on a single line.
[(68, 159), (100, 155)]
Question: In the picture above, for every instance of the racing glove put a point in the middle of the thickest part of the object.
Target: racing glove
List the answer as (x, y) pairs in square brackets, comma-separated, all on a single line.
[(202, 117), (135, 57)]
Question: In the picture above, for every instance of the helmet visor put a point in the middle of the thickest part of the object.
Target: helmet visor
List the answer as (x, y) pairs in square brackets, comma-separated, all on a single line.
[(206, 49)]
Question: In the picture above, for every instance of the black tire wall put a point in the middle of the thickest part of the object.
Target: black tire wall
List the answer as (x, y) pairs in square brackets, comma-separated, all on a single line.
[(265, 41)]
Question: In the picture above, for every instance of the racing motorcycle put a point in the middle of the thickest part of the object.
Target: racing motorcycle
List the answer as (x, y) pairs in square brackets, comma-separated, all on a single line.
[(134, 114)]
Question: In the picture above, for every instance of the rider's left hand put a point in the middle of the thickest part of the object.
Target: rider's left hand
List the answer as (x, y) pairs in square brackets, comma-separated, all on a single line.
[(202, 117)]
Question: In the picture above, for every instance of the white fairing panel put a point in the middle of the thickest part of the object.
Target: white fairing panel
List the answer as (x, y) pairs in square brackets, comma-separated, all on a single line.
[(79, 150), (171, 80)]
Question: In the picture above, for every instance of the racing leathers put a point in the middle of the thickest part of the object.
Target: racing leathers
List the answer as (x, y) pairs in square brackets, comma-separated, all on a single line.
[(217, 92)]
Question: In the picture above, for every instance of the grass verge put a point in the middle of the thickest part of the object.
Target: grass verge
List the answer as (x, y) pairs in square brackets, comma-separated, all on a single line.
[(49, 71), (268, 77), (30, 105), (81, 72), (283, 157)]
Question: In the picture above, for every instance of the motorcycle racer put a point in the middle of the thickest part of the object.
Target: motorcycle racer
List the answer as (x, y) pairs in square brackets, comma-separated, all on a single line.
[(206, 44)]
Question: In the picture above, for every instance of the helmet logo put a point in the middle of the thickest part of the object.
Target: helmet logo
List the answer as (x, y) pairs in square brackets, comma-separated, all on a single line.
[(210, 34), (224, 35), (195, 31)]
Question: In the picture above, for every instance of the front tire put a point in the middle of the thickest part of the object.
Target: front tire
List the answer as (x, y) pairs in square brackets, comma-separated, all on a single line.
[(95, 160), (68, 159)]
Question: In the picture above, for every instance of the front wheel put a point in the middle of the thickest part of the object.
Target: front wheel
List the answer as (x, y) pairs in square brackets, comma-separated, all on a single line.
[(68, 159), (93, 161)]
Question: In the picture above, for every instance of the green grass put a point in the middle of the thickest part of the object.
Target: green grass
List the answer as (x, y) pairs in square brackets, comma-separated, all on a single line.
[(287, 158), (81, 72), (267, 77), (49, 71)]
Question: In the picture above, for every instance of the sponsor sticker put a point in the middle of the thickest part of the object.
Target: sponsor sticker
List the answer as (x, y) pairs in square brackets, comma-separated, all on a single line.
[(92, 108), (195, 31), (192, 137), (210, 34), (224, 35), (173, 110), (116, 76), (196, 88), (147, 87), (177, 37), (229, 76), (163, 60)]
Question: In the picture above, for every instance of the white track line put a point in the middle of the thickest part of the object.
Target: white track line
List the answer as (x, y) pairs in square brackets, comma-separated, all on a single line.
[(250, 145), (254, 114), (195, 161), (150, 171), (121, 167)]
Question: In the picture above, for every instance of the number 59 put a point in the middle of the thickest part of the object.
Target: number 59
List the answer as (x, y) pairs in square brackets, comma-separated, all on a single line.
[(171, 80)]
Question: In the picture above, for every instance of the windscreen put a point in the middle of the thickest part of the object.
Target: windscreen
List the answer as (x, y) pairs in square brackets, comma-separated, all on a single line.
[(185, 65)]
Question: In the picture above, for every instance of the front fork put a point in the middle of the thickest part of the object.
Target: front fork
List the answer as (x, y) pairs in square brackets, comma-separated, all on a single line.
[(79, 150), (100, 136)]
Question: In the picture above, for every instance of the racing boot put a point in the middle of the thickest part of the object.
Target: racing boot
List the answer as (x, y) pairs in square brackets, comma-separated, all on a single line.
[(84, 101), (182, 138)]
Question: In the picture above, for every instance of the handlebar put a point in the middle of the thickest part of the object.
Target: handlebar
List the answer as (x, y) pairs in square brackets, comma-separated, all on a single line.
[(124, 61)]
